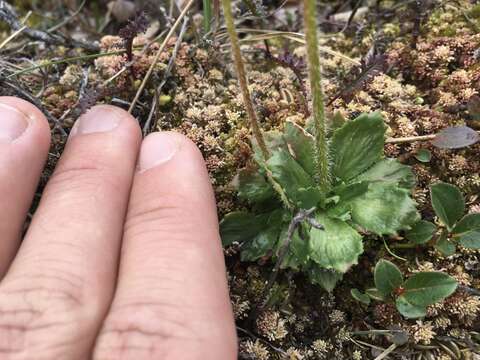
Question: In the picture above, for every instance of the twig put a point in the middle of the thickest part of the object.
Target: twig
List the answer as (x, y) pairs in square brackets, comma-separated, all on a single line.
[(157, 55), (409, 139), (171, 62), (8, 15), (392, 253), (66, 20), (64, 60), (386, 352), (170, 65), (153, 107)]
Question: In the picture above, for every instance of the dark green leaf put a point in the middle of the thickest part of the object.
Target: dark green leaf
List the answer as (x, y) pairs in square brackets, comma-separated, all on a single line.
[(357, 145), (301, 145), (240, 226), (263, 243), (468, 231), (410, 310), (444, 245), (448, 203), (389, 171), (345, 194), (387, 277), (291, 177), (423, 155), (253, 187), (327, 279), (337, 247), (469, 222), (470, 239), (421, 232), (427, 288), (384, 209), (359, 296)]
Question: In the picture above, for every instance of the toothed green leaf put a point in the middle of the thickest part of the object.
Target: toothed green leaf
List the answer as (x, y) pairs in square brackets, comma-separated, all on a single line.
[(327, 279), (337, 247), (384, 209), (357, 145), (389, 171), (301, 145)]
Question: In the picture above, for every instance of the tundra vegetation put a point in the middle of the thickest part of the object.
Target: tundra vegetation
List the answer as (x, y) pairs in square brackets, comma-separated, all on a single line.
[(342, 142)]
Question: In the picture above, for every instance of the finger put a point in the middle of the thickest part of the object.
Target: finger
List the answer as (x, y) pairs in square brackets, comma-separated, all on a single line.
[(24, 142), (171, 300), (59, 286)]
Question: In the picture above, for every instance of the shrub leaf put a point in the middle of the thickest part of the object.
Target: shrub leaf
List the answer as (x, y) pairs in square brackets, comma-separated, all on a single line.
[(427, 288), (387, 277), (448, 203), (421, 232), (408, 309)]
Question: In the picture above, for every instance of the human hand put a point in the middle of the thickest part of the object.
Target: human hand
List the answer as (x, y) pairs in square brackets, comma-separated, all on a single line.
[(122, 259)]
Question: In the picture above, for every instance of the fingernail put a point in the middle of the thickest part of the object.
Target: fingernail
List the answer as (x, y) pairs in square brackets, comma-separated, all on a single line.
[(157, 149), (12, 123), (100, 118)]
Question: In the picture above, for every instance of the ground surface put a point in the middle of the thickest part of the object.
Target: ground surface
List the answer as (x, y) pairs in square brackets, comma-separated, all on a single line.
[(417, 62)]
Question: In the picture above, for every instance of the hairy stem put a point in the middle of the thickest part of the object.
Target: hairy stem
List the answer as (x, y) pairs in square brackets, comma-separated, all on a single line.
[(318, 107), (207, 15), (242, 78)]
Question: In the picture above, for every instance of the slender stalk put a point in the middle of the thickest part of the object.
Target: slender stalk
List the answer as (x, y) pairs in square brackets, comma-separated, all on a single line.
[(318, 107), (242, 78), (207, 15)]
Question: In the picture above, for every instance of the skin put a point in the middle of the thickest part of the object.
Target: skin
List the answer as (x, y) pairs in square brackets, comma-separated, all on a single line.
[(122, 259)]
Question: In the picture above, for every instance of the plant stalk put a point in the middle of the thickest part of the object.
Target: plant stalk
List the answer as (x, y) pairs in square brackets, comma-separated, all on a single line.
[(242, 78), (318, 104), (207, 15)]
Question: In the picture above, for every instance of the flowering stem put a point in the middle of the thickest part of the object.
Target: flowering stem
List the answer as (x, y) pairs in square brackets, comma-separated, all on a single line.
[(318, 107), (242, 78)]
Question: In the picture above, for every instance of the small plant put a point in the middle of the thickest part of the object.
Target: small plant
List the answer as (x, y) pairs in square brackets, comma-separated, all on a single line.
[(411, 296), (369, 194), (345, 184), (455, 228)]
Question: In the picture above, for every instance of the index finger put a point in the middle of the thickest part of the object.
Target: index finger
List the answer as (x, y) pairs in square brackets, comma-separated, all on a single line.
[(172, 299)]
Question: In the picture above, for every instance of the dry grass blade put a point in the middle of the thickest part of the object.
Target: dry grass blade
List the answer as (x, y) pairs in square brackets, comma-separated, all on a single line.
[(157, 55)]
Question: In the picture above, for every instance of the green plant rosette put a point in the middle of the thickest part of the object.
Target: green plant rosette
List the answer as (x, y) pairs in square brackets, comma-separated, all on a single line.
[(369, 194)]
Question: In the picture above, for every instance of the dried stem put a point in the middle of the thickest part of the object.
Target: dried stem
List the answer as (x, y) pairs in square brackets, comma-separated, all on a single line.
[(242, 78), (318, 107), (157, 55)]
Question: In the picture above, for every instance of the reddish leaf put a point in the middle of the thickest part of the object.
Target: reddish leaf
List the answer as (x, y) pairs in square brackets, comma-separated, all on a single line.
[(456, 137)]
